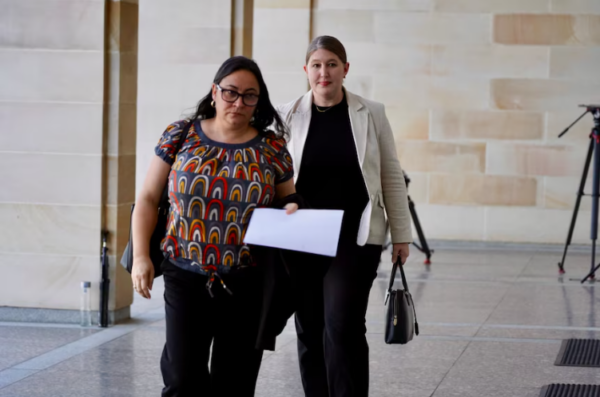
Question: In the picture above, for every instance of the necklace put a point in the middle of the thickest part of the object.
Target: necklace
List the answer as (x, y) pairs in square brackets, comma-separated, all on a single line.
[(323, 111)]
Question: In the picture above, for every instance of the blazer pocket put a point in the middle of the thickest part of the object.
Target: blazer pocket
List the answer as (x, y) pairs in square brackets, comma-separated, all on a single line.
[(379, 219)]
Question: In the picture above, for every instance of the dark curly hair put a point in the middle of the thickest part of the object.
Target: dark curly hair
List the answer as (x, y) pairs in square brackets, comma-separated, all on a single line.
[(266, 117)]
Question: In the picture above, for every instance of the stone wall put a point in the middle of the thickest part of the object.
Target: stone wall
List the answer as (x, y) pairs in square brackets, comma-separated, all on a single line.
[(476, 92), (67, 124)]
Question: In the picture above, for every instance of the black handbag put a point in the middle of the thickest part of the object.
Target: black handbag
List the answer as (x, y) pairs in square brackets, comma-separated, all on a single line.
[(401, 317), (156, 253)]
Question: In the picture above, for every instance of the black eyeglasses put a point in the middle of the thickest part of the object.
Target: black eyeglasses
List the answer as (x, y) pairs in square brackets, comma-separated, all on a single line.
[(232, 96)]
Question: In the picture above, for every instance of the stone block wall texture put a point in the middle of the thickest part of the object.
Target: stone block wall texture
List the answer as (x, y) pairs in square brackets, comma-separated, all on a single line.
[(477, 92), (281, 35), (68, 77), (51, 133)]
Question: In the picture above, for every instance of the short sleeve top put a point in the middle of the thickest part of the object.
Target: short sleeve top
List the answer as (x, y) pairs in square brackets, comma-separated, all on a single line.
[(213, 189)]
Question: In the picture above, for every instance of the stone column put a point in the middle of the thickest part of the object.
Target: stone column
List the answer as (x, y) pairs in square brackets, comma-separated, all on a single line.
[(242, 18), (67, 126), (119, 144)]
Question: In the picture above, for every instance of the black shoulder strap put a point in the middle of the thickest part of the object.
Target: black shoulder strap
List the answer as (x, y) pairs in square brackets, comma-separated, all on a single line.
[(184, 134)]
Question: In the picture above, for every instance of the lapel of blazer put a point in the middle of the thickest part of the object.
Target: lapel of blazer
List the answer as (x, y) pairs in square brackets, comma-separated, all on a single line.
[(359, 119), (299, 124)]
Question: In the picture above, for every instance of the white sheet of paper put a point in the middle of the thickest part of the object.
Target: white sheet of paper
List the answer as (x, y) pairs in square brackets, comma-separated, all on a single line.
[(314, 231)]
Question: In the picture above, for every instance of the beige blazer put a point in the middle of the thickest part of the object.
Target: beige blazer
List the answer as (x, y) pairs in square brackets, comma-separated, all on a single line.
[(378, 161)]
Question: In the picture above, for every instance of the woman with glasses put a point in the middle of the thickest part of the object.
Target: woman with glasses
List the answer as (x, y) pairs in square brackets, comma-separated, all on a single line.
[(347, 138), (230, 162)]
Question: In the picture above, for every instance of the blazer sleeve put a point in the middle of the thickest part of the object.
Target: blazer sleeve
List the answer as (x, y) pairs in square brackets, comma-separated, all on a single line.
[(280, 109), (395, 195)]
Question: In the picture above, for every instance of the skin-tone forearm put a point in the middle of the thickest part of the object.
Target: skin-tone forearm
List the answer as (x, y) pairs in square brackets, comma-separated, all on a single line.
[(146, 206), (286, 188), (144, 221)]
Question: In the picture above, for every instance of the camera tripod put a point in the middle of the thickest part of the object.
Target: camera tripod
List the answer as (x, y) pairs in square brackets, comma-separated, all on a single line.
[(423, 247), (593, 149)]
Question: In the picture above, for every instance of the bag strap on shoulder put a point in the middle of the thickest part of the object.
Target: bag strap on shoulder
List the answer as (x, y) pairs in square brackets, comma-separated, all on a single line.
[(184, 134)]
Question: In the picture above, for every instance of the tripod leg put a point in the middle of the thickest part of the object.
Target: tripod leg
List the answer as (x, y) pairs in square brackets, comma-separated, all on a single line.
[(595, 198), (586, 168), (424, 246), (591, 274)]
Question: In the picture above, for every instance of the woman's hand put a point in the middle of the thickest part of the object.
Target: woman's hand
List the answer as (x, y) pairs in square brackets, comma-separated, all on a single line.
[(402, 251), (142, 275), (291, 208)]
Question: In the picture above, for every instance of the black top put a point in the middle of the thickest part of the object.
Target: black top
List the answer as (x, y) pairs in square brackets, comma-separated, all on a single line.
[(330, 176)]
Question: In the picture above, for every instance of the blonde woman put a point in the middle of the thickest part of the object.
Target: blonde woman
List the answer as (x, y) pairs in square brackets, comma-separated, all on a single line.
[(344, 158)]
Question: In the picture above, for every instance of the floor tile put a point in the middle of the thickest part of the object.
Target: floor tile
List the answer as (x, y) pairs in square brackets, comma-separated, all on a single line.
[(21, 343), (491, 325), (533, 333), (89, 384), (496, 365), (269, 387), (575, 306), (113, 361)]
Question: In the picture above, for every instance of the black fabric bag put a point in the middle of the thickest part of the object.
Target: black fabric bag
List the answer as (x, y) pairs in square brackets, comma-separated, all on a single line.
[(278, 296), (401, 318), (156, 253)]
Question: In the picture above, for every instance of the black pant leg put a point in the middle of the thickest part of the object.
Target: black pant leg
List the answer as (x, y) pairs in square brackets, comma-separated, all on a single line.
[(346, 287), (235, 362), (184, 362), (307, 272)]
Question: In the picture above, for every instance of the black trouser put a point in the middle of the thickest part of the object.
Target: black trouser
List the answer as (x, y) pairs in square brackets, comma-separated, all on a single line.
[(330, 319), (195, 320)]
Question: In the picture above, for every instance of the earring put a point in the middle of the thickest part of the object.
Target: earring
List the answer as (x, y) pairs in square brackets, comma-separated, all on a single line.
[(212, 104)]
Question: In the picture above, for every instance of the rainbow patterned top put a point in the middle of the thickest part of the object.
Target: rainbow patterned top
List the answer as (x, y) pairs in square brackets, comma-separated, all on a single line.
[(213, 189)]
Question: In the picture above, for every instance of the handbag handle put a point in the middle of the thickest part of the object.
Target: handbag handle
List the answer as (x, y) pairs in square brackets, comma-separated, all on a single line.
[(393, 276), (397, 265)]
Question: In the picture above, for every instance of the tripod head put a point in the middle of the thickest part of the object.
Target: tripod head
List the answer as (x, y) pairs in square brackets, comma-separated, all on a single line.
[(593, 109)]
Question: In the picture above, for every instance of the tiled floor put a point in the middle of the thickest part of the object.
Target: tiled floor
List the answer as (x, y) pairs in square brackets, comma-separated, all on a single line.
[(491, 322)]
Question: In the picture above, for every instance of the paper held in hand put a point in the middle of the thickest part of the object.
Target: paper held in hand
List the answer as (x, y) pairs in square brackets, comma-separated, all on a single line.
[(314, 231)]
